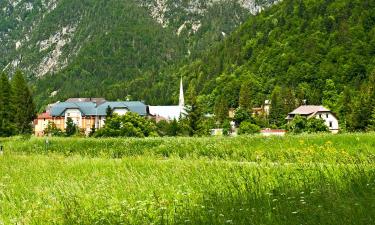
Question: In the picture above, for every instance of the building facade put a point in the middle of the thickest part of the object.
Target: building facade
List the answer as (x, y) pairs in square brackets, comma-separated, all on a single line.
[(319, 112), (86, 113)]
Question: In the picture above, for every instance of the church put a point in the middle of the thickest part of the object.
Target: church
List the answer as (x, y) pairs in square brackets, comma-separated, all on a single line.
[(169, 113)]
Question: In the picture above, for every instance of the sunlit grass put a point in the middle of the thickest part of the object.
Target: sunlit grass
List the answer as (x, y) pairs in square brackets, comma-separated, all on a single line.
[(245, 180)]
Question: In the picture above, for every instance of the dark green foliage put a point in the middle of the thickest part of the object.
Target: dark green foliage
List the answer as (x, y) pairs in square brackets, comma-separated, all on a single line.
[(330, 96), (226, 128), (71, 127), (307, 50), (371, 126), (277, 111), (113, 48), (315, 125), (221, 109), (171, 128), (241, 115), (297, 125), (109, 112), (22, 104), (300, 125), (128, 125), (247, 127), (6, 110)]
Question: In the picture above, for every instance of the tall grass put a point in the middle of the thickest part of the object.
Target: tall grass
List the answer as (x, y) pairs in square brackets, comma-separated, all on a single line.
[(306, 148), (244, 180)]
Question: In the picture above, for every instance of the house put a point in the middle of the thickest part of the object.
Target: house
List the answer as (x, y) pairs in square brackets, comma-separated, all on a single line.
[(86, 113), (264, 110), (41, 123), (319, 112), (169, 113)]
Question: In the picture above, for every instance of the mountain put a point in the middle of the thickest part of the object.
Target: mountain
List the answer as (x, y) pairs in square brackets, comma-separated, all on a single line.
[(322, 51), (110, 48)]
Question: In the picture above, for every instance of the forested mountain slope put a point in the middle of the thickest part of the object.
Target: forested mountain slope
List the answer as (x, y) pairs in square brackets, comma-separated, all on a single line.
[(319, 50), (110, 48)]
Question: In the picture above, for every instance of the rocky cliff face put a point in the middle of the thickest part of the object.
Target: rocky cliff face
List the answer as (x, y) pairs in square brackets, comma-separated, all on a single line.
[(110, 48), (37, 35)]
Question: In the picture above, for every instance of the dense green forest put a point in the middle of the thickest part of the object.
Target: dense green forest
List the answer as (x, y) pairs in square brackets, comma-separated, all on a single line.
[(114, 49), (322, 51)]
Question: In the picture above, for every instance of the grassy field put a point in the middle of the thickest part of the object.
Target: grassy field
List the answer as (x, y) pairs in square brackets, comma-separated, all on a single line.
[(244, 180)]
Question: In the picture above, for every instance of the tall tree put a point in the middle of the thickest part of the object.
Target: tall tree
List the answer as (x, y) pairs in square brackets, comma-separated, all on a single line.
[(23, 105), (245, 95), (277, 116), (330, 95), (6, 125)]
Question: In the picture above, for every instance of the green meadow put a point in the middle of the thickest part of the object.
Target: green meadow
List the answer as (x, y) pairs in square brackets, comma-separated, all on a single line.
[(308, 179)]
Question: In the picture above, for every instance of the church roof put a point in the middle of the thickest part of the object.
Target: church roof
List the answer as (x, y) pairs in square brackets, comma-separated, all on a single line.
[(167, 112)]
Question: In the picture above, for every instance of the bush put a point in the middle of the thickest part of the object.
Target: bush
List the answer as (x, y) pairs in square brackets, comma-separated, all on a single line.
[(315, 125), (247, 127), (128, 125), (297, 125), (300, 125)]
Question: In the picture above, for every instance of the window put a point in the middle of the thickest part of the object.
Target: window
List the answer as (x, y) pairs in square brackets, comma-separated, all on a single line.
[(327, 115), (68, 114), (330, 124)]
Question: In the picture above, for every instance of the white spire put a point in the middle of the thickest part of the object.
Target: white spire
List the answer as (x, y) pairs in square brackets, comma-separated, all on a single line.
[(182, 99)]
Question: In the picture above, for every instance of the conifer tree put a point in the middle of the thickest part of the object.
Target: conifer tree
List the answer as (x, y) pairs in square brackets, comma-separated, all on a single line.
[(6, 125), (23, 105), (245, 96), (371, 126), (277, 110)]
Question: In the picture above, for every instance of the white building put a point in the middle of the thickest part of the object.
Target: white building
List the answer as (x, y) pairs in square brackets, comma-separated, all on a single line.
[(173, 112), (319, 112)]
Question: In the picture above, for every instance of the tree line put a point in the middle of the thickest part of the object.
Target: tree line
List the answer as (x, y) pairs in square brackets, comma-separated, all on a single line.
[(17, 109)]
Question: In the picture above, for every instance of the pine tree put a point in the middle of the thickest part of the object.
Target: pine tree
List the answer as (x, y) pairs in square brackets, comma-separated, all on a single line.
[(277, 111), (6, 125), (221, 109), (245, 96), (109, 112), (371, 126), (23, 105), (71, 128)]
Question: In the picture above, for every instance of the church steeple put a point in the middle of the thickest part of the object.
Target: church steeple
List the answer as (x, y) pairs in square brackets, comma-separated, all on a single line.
[(182, 99)]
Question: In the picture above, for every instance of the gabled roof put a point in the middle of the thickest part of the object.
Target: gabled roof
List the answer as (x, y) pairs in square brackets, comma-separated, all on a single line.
[(309, 109), (86, 108)]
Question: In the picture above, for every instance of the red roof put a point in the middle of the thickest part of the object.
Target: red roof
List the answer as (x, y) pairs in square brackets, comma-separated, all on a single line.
[(44, 115), (273, 131)]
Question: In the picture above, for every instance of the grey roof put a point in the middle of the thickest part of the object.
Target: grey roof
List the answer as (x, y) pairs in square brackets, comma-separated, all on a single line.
[(95, 100), (309, 109), (92, 109), (136, 107)]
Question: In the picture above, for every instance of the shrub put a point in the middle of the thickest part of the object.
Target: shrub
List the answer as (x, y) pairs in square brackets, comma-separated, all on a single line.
[(247, 127), (128, 125)]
